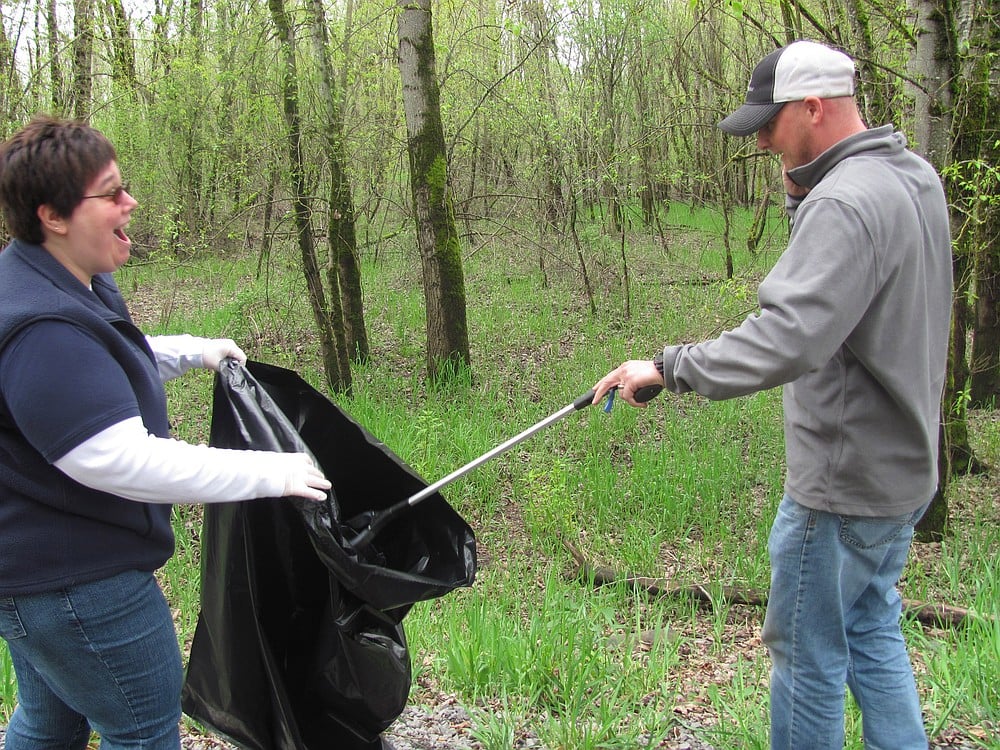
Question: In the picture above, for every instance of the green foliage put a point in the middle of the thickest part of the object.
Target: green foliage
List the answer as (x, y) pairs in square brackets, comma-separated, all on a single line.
[(976, 182), (549, 505), (543, 108), (743, 716), (565, 666), (8, 684)]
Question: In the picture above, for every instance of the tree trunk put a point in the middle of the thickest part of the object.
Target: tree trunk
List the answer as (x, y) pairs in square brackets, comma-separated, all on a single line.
[(197, 26), (10, 85), (345, 50), (123, 51), (83, 57), (791, 20), (961, 458), (933, 66), (972, 131), (981, 91), (300, 201), (580, 257), (162, 52), (344, 267), (437, 235), (55, 69), (875, 94), (985, 359), (554, 202)]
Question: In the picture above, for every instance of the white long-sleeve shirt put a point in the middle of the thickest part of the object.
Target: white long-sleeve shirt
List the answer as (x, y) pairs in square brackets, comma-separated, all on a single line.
[(126, 460)]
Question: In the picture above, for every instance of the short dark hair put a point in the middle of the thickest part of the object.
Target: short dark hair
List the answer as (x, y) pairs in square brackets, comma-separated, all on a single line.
[(48, 161)]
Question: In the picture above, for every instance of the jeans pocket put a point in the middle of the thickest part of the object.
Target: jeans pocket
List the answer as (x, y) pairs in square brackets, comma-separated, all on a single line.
[(10, 622), (869, 533)]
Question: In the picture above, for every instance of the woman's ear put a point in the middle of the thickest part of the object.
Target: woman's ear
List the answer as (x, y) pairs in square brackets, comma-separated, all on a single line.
[(52, 222)]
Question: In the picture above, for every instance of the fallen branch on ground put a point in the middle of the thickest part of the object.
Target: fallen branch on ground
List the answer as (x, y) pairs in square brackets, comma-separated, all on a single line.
[(933, 615)]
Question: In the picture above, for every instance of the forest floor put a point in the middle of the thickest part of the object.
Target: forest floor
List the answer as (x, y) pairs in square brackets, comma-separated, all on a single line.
[(436, 719)]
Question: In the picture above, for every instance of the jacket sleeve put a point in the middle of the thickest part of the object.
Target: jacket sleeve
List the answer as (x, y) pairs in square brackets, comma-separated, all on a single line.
[(808, 304)]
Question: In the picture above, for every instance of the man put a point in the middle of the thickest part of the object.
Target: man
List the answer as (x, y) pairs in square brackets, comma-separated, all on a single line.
[(853, 322)]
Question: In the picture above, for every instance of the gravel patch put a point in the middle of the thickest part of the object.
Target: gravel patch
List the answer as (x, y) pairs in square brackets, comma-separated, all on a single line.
[(448, 726), (444, 726)]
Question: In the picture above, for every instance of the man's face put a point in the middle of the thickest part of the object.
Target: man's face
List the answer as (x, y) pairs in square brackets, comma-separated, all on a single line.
[(789, 135)]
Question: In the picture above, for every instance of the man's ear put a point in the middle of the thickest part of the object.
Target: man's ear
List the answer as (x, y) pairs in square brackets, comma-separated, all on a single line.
[(814, 107), (52, 222)]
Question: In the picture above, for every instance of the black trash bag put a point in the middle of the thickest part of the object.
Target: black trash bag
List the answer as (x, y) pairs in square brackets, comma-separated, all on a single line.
[(299, 643)]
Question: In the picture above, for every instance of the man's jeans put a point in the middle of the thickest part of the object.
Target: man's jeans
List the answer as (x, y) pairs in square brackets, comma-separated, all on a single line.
[(833, 619), (99, 655)]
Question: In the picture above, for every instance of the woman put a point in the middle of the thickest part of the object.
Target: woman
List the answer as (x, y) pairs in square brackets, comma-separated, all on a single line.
[(88, 471)]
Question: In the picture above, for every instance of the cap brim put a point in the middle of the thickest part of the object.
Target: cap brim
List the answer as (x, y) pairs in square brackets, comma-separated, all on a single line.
[(750, 118)]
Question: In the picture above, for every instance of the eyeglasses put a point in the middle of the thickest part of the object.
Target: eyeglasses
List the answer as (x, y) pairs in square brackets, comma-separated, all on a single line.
[(114, 196)]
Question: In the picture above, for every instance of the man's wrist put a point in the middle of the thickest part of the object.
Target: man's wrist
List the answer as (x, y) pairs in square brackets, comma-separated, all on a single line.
[(658, 363)]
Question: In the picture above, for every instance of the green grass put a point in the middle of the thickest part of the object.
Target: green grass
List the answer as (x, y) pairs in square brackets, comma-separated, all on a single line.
[(684, 490), (571, 666), (8, 683)]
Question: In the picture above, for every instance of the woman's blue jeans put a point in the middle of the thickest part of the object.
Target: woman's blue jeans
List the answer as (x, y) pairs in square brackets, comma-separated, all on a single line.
[(833, 620), (101, 656)]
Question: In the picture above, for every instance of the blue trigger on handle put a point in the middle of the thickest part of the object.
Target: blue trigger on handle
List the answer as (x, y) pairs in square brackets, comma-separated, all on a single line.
[(611, 400)]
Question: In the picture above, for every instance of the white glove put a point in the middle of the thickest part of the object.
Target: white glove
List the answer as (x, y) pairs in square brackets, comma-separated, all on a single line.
[(215, 350), (303, 478)]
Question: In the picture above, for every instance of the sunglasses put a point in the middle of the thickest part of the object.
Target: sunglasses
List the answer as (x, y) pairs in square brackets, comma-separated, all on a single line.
[(114, 196)]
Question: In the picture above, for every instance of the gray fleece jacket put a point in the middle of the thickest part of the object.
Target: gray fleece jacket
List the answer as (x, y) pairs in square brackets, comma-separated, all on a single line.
[(853, 322)]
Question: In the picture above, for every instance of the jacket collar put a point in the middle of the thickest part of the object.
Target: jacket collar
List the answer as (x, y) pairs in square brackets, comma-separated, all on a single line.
[(100, 298), (875, 139)]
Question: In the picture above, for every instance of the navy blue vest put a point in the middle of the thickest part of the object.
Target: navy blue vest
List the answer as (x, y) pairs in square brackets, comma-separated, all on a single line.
[(55, 532)]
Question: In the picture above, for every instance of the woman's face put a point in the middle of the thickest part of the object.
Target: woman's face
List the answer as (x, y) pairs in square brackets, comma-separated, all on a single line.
[(92, 239)]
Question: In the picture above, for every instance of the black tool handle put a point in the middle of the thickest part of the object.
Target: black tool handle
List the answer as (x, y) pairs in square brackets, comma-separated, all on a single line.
[(644, 394)]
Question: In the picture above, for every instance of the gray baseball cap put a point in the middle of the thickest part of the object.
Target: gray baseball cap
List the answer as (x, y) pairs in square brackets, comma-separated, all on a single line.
[(790, 74)]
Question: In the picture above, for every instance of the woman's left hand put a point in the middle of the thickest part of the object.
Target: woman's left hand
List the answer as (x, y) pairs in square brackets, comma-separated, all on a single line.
[(216, 350)]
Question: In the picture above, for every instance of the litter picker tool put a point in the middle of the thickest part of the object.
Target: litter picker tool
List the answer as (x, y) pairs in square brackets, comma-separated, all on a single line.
[(369, 523)]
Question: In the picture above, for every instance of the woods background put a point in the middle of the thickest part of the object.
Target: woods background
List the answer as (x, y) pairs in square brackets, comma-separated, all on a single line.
[(358, 129)]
